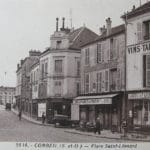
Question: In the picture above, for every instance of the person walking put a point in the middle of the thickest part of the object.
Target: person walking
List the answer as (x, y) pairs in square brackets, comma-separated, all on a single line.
[(97, 126), (43, 117), (20, 115)]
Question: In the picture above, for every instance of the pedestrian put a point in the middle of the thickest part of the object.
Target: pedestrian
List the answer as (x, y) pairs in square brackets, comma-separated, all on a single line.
[(20, 115), (43, 117), (97, 126)]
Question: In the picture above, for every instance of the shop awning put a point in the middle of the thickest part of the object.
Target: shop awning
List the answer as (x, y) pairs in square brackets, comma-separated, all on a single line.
[(96, 100)]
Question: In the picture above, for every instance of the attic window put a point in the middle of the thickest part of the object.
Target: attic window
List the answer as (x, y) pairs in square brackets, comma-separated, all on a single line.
[(58, 42)]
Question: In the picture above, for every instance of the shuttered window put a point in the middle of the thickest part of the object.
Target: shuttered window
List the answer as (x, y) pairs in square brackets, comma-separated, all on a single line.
[(99, 53), (106, 80), (103, 51), (57, 88), (146, 70), (87, 83), (87, 59), (139, 32), (99, 81)]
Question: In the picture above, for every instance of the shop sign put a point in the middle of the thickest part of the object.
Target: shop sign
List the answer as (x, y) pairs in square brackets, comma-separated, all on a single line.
[(145, 47), (142, 95), (93, 101), (41, 109)]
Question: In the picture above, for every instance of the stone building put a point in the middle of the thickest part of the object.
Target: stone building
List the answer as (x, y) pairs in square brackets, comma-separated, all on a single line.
[(34, 84), (138, 66), (23, 81), (60, 69), (7, 95), (102, 79)]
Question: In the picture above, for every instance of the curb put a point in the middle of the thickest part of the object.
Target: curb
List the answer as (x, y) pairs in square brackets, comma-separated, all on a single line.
[(127, 139), (32, 121)]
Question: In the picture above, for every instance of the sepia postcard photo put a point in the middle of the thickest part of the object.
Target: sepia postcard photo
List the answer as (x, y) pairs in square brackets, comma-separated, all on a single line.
[(74, 74)]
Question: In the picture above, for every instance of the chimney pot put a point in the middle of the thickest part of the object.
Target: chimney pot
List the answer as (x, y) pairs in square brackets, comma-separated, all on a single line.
[(57, 20), (108, 24)]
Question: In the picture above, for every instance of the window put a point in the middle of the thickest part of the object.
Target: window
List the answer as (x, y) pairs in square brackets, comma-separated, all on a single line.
[(57, 88), (99, 53), (78, 68), (147, 30), (99, 81), (113, 48), (106, 80), (113, 79), (78, 88), (139, 32), (87, 83), (46, 67), (146, 70), (58, 66), (87, 56), (42, 70), (58, 44)]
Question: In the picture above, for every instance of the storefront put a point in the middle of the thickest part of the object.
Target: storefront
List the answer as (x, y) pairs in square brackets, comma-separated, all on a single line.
[(105, 107), (139, 110)]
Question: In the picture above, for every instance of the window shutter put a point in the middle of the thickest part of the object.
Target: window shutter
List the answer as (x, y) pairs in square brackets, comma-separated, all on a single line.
[(118, 79), (139, 31), (99, 53), (144, 70), (106, 80), (103, 50), (147, 70)]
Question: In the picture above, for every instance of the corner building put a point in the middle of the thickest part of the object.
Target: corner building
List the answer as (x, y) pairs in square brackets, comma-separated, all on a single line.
[(138, 67), (60, 69), (102, 79)]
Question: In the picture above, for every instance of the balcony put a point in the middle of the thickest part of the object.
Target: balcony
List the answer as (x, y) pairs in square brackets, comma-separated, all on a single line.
[(147, 37)]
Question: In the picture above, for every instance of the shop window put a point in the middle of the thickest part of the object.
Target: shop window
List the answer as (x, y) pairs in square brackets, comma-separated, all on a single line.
[(146, 70), (87, 57), (147, 30)]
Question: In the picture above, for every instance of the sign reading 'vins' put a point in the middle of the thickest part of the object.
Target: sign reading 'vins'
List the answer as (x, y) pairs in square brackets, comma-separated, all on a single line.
[(139, 48)]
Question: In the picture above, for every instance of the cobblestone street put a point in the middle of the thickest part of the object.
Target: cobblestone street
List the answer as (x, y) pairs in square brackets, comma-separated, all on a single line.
[(11, 129)]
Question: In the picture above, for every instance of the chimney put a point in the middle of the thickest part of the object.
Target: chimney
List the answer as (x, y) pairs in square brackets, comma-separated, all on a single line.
[(21, 61), (63, 23), (102, 30), (108, 26), (17, 66), (57, 19), (133, 8)]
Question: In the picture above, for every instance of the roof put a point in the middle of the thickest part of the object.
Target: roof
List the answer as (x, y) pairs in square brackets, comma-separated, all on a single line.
[(80, 37), (114, 31), (138, 11)]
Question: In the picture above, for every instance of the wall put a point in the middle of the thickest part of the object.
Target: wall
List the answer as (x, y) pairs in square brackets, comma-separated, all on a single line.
[(135, 59)]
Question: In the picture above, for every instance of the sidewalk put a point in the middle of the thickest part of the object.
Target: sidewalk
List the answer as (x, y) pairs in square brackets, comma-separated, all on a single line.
[(104, 133), (109, 135), (31, 119)]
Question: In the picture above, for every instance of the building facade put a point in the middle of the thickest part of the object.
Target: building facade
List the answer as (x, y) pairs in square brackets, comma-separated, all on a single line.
[(7, 95), (102, 79), (34, 84), (60, 69), (23, 81), (138, 60)]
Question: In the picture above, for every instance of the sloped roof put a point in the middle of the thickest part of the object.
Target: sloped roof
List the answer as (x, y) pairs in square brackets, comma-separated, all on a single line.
[(81, 36), (138, 11), (114, 31)]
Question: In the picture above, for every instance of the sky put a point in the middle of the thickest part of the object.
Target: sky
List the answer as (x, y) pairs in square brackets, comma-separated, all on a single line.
[(28, 24)]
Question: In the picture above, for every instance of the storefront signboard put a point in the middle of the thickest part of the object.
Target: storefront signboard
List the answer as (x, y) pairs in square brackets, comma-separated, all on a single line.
[(41, 109), (93, 101), (139, 95)]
